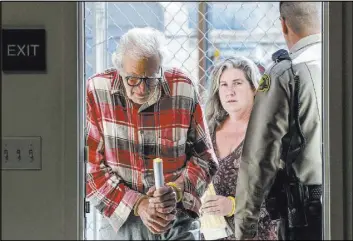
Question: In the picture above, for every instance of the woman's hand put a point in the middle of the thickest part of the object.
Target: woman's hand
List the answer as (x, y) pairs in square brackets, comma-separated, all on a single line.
[(216, 205)]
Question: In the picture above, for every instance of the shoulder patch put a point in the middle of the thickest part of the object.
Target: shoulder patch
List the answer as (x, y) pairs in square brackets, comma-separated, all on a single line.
[(265, 83)]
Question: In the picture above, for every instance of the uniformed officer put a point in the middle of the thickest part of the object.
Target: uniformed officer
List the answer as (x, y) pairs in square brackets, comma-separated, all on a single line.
[(284, 133)]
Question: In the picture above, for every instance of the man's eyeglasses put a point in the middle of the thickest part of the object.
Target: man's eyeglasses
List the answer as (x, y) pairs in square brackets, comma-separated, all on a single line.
[(134, 81)]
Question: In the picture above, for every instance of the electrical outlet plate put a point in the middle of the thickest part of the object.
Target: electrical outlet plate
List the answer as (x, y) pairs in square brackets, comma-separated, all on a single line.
[(21, 153)]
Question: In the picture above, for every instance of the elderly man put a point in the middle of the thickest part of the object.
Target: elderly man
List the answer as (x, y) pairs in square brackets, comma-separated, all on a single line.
[(281, 159), (137, 112)]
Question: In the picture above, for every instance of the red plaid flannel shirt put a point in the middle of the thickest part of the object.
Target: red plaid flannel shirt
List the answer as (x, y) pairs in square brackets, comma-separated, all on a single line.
[(123, 140)]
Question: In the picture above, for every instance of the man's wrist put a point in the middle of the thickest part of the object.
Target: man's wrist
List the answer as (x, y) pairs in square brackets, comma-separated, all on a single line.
[(178, 191), (137, 204), (180, 182)]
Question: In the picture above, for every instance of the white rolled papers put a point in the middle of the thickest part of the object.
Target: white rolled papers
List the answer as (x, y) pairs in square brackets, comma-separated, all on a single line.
[(158, 172)]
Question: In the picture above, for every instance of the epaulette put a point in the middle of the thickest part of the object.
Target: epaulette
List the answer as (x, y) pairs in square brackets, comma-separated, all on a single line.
[(280, 55)]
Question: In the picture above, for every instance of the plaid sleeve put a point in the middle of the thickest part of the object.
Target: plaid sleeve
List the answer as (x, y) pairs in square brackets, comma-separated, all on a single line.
[(202, 165), (104, 188)]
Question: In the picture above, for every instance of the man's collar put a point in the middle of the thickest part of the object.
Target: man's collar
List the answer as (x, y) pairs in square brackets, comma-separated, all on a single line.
[(306, 41), (164, 84), (117, 83)]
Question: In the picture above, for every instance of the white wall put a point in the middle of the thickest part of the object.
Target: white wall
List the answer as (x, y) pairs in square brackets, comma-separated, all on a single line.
[(43, 204)]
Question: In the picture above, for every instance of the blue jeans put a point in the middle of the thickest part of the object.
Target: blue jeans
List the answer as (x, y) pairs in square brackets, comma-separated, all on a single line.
[(184, 227)]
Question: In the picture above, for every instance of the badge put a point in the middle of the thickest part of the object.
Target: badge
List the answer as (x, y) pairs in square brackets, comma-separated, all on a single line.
[(264, 84)]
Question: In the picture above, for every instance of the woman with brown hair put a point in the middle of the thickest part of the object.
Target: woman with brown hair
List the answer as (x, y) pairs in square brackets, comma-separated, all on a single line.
[(228, 108)]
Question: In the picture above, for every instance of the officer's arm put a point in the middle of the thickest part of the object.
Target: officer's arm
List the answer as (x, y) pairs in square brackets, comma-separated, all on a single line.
[(261, 153)]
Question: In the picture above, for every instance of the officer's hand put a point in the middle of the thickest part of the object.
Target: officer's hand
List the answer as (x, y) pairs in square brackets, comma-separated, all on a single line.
[(163, 199), (155, 221), (216, 205)]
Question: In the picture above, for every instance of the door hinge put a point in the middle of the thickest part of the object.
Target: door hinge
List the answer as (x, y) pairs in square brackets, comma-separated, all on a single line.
[(87, 207)]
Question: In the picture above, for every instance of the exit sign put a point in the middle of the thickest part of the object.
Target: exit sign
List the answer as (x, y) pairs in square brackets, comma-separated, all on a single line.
[(23, 50)]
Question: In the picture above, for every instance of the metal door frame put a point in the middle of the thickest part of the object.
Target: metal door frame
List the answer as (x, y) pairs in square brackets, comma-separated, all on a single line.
[(329, 99), (81, 215)]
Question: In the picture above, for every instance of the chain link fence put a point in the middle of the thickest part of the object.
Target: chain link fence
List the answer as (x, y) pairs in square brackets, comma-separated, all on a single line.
[(198, 34)]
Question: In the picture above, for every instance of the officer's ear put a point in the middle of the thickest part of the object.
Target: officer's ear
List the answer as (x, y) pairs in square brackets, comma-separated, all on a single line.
[(284, 26)]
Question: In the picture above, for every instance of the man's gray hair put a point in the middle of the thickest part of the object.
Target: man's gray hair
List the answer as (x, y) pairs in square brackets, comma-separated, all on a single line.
[(215, 113), (302, 17), (140, 43)]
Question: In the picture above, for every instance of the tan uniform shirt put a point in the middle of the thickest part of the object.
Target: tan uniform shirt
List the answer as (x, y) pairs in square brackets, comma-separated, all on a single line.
[(269, 123)]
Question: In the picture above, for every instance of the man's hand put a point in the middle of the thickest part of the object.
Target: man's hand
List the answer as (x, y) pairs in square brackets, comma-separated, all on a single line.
[(155, 221), (163, 199), (216, 205)]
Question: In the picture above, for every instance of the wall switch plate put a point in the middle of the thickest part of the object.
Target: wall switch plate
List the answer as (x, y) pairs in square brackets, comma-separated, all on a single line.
[(21, 153)]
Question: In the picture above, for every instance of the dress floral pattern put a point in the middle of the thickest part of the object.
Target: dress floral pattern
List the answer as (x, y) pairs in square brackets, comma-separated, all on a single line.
[(225, 183)]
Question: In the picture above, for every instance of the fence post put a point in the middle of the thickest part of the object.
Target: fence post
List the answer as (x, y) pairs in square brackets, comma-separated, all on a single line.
[(100, 29), (202, 44), (100, 43)]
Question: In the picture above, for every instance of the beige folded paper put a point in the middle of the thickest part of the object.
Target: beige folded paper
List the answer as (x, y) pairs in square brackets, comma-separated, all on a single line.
[(212, 226)]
